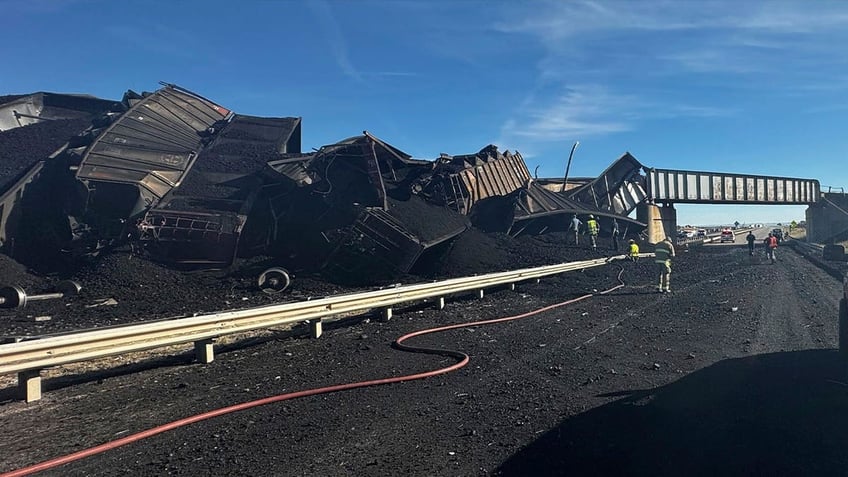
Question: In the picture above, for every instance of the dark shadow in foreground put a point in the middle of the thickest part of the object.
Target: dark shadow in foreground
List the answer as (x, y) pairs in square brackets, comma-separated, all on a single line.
[(770, 414)]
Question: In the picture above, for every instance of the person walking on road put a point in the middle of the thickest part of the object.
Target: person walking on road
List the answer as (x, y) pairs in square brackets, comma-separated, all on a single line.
[(771, 245), (664, 252), (633, 252), (615, 234), (575, 225), (750, 238), (592, 226)]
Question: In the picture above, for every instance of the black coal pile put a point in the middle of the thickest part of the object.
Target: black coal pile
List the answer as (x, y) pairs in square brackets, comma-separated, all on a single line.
[(121, 288), (21, 148), (476, 252), (13, 273), (427, 222), (341, 219), (243, 147)]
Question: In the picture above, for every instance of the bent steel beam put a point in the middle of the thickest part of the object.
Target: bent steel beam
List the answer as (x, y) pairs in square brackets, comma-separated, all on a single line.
[(619, 189)]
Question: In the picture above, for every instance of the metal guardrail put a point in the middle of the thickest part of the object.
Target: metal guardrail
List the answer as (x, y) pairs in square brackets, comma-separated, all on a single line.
[(27, 358)]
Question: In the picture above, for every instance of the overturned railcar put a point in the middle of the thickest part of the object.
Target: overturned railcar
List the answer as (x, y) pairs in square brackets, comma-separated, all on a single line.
[(189, 183), (496, 191), (349, 207), (133, 176), (201, 222), (192, 184)]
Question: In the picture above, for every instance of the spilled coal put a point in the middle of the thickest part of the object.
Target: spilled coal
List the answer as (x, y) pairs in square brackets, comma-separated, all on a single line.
[(120, 287), (21, 148)]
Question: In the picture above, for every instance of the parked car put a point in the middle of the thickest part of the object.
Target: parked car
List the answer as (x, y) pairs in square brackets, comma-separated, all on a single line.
[(727, 236)]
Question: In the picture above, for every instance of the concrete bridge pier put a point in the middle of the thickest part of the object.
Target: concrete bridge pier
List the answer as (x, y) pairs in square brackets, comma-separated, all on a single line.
[(827, 220), (661, 220)]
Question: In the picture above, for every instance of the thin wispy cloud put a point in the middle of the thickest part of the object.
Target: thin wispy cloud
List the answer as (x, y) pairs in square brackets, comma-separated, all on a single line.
[(739, 37), (592, 110), (333, 33), (577, 112), (339, 46), (614, 49)]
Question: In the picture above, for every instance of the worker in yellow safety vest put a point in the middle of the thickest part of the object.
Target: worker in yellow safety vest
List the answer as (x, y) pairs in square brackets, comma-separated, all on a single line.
[(633, 253), (592, 226)]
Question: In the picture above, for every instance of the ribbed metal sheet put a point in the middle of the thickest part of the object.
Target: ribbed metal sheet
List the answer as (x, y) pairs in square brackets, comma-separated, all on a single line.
[(489, 177), (154, 143), (619, 189), (665, 185)]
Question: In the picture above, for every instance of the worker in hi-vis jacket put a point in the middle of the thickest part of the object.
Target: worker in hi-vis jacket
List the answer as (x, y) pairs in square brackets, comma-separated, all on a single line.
[(592, 227)]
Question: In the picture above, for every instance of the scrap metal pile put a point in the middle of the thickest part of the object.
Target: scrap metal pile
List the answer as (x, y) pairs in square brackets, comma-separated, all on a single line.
[(186, 182)]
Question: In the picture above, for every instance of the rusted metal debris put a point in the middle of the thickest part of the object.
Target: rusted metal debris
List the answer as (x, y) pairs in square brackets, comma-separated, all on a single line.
[(187, 182)]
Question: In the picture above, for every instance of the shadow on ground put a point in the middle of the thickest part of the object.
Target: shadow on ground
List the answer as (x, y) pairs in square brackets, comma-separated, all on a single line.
[(771, 414)]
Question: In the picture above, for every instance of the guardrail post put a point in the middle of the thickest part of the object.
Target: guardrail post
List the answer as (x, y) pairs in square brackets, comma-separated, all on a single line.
[(440, 303), (204, 350), (54, 351), (512, 287), (386, 314), (29, 385), (316, 328)]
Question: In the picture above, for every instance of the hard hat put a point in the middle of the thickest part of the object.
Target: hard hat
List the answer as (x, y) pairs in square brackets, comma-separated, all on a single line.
[(632, 241), (591, 216)]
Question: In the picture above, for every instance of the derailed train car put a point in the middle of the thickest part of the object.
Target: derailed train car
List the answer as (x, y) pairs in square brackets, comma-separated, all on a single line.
[(192, 184), (189, 183)]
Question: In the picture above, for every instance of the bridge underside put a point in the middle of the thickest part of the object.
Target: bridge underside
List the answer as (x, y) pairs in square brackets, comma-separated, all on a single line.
[(671, 186)]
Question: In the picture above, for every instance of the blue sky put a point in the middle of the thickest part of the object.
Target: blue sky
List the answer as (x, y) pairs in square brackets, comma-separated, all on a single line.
[(740, 87)]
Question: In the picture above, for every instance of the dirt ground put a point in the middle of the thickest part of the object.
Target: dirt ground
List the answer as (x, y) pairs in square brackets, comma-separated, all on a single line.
[(734, 373)]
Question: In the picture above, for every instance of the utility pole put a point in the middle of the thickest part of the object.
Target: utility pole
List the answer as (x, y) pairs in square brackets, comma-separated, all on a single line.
[(568, 166)]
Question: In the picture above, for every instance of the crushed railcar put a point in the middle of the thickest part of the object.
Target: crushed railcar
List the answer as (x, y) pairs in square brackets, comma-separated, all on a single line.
[(349, 207), (498, 194), (187, 182)]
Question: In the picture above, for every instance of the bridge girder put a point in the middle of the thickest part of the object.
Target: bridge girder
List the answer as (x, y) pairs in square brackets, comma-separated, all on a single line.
[(674, 186)]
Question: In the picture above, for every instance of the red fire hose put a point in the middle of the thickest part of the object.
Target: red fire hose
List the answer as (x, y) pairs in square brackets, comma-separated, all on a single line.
[(462, 360)]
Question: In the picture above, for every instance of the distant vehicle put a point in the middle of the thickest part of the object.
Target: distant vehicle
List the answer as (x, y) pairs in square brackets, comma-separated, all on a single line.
[(702, 233), (778, 233), (727, 236)]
